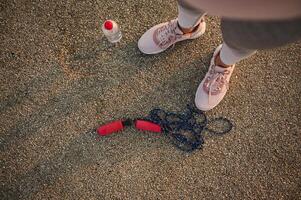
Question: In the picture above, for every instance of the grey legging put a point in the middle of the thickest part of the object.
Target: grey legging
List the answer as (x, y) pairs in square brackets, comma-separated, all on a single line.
[(242, 38)]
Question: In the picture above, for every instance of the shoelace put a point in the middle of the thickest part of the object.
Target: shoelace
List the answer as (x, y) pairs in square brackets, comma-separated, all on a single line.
[(167, 34), (219, 79)]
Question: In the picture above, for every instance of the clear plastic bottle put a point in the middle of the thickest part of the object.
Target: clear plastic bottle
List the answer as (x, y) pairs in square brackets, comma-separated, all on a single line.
[(111, 31)]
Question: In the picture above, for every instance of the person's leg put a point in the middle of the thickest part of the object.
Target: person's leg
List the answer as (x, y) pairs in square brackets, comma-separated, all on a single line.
[(188, 25), (229, 56), (242, 37), (260, 34), (240, 40), (188, 18)]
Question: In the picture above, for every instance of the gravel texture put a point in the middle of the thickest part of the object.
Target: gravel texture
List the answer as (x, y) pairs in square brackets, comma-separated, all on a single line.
[(60, 78)]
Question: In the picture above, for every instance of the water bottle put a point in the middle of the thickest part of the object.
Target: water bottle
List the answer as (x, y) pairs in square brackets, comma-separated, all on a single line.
[(112, 31)]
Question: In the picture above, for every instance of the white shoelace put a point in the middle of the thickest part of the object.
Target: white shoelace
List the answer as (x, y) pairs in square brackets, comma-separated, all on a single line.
[(167, 34), (216, 81)]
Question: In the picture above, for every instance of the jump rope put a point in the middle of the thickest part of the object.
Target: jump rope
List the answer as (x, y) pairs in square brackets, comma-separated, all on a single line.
[(185, 130)]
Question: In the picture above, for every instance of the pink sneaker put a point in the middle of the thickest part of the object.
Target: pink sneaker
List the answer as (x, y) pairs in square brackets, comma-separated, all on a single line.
[(164, 35), (214, 86)]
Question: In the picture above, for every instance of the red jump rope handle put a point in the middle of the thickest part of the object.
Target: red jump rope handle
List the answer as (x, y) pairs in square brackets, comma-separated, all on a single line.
[(110, 128), (147, 126)]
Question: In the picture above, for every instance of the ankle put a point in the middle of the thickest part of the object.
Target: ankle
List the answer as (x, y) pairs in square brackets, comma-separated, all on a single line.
[(188, 30), (219, 62)]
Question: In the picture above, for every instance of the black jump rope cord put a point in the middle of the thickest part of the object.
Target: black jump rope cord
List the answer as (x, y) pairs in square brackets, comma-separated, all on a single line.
[(186, 129)]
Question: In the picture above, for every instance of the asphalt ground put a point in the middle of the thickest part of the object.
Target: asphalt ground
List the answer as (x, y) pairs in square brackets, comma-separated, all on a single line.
[(60, 78)]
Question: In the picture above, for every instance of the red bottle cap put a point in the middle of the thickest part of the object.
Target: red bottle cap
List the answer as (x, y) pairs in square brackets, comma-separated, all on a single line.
[(108, 25)]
